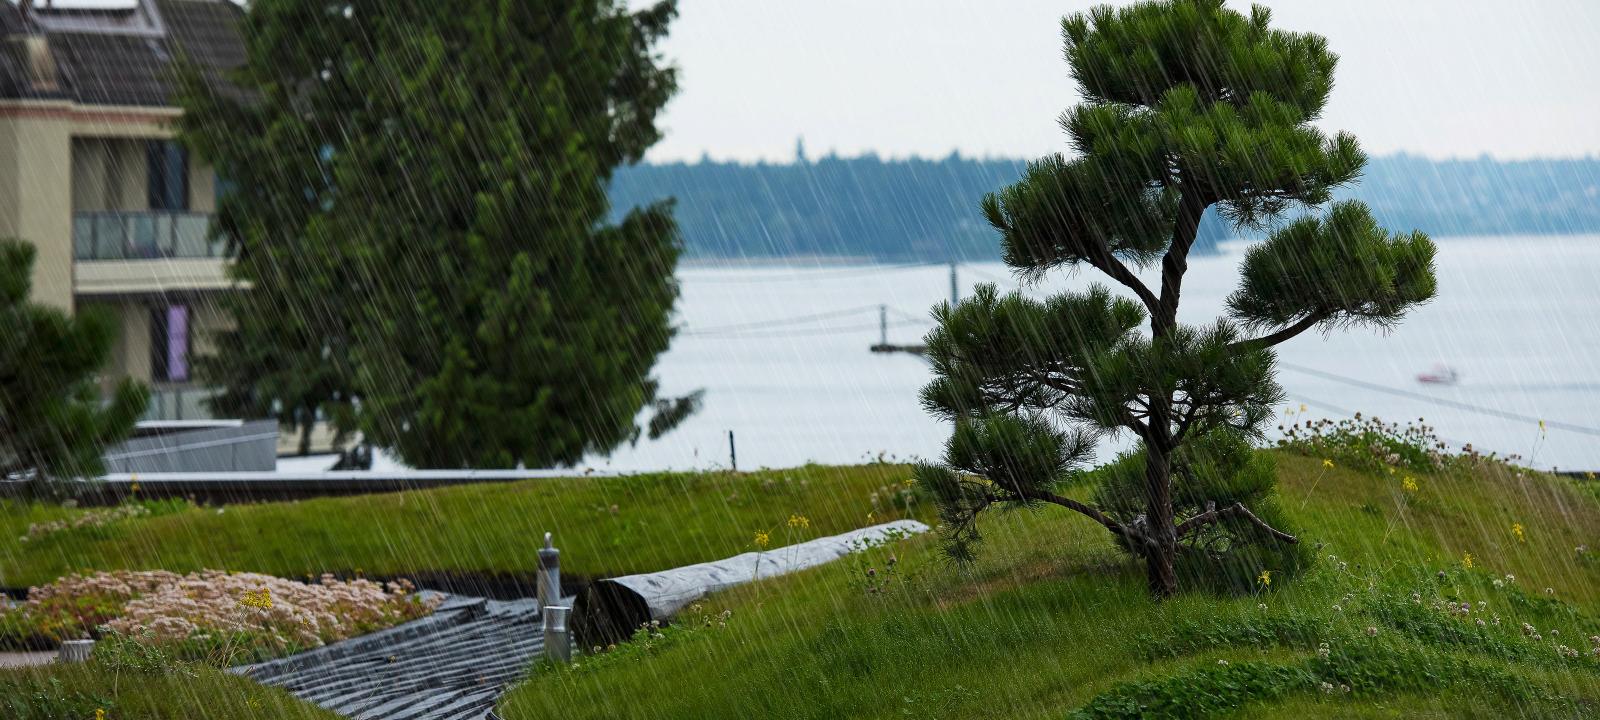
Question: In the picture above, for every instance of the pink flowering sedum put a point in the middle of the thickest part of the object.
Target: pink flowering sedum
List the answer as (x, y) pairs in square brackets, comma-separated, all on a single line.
[(270, 612)]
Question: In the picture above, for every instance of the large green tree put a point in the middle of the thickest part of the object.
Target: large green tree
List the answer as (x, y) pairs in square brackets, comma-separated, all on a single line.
[(1188, 105), (53, 425), (417, 192)]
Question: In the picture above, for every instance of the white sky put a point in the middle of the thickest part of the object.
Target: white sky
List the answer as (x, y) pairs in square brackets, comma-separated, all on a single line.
[(1442, 78)]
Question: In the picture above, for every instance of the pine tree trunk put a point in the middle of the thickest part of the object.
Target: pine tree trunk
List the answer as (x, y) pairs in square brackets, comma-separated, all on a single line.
[(1162, 553)]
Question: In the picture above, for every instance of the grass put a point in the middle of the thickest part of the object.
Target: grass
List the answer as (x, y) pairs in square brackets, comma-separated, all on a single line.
[(1052, 618), (75, 692), (604, 527)]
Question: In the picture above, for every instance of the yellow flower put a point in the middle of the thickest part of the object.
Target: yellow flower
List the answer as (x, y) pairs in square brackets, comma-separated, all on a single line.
[(257, 599), (1516, 529), (1266, 577), (799, 521), (1541, 427), (1466, 561), (1302, 407), (762, 539), (1410, 484), (871, 516), (133, 487), (1327, 463), (99, 714)]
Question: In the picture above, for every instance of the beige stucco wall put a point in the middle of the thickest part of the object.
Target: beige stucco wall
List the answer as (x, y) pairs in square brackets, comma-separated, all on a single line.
[(36, 199)]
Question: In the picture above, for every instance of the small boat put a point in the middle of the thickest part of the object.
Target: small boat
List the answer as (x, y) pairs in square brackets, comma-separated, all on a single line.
[(1438, 375)]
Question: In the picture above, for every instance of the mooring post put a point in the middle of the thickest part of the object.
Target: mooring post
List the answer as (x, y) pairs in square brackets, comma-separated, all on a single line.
[(75, 651), (549, 579), (557, 641)]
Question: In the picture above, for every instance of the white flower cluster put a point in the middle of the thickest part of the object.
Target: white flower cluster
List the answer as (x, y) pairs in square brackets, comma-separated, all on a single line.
[(171, 607), (93, 518)]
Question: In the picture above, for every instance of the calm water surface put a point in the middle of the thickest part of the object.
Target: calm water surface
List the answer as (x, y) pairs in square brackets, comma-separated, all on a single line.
[(1515, 317)]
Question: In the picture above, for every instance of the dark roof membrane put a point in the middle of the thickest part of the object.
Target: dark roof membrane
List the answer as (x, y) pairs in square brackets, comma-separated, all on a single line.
[(100, 58)]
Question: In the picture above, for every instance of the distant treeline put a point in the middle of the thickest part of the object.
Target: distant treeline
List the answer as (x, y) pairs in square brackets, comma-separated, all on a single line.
[(927, 210)]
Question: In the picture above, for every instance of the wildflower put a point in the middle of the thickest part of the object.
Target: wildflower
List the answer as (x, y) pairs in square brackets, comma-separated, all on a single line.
[(1302, 407), (133, 487), (1516, 530), (1594, 640), (1549, 591), (1372, 631), (1265, 577), (762, 539), (1498, 583), (1510, 578), (99, 714), (1466, 561), (1481, 623), (1416, 598), (1327, 687), (1409, 484), (799, 521), (1337, 608), (1344, 688), (261, 599), (1261, 606), (1223, 663), (1323, 651), (1327, 463)]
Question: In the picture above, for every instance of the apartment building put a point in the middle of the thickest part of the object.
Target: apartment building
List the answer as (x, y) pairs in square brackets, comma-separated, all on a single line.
[(91, 176)]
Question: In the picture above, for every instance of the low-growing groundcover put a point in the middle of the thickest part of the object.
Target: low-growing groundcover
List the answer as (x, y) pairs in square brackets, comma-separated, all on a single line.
[(223, 619), (604, 526), (1440, 586)]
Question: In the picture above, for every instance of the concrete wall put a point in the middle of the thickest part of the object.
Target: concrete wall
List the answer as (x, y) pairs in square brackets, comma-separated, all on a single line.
[(251, 446)]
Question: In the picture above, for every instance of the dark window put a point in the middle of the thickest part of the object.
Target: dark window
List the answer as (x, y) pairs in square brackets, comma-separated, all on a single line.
[(169, 343), (169, 175)]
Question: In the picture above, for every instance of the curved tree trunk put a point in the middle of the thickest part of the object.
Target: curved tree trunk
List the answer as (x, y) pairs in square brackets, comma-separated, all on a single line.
[(1162, 549)]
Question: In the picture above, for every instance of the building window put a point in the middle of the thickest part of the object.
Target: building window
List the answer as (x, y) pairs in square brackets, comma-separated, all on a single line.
[(169, 175), (169, 343)]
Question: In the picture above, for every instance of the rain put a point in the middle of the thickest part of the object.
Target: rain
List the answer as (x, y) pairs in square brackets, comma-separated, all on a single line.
[(692, 358)]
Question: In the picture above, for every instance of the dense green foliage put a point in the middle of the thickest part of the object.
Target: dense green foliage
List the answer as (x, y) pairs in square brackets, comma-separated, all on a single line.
[(418, 201), (53, 426), (1190, 107), (1066, 626), (920, 210)]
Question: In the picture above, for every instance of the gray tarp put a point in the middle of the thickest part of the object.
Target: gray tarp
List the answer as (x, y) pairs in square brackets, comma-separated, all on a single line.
[(611, 609)]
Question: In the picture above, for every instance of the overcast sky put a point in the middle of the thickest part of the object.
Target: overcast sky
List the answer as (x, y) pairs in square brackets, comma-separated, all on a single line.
[(1442, 78)]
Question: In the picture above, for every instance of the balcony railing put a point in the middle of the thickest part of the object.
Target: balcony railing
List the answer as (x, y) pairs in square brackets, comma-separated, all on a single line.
[(180, 402), (143, 235)]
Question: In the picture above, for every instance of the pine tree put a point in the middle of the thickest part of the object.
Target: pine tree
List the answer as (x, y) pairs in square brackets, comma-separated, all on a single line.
[(419, 205), (53, 426), (1188, 106)]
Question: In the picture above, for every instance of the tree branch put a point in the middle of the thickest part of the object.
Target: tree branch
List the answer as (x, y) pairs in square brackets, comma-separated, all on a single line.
[(1107, 263), (1266, 341), (1072, 504), (1212, 516)]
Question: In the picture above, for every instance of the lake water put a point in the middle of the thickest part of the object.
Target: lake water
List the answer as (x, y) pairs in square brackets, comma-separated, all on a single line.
[(1515, 317)]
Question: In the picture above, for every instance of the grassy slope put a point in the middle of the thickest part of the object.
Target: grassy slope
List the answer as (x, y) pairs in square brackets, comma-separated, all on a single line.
[(660, 521), (76, 691), (1051, 617)]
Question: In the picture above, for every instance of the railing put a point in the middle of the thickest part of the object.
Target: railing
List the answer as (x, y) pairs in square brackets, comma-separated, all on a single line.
[(143, 235), (180, 403)]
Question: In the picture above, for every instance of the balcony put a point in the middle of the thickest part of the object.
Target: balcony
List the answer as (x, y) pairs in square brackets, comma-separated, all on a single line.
[(180, 402), (114, 252), (143, 235)]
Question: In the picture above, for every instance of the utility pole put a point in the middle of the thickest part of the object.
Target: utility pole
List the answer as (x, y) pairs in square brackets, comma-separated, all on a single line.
[(883, 324), (955, 292), (733, 455)]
